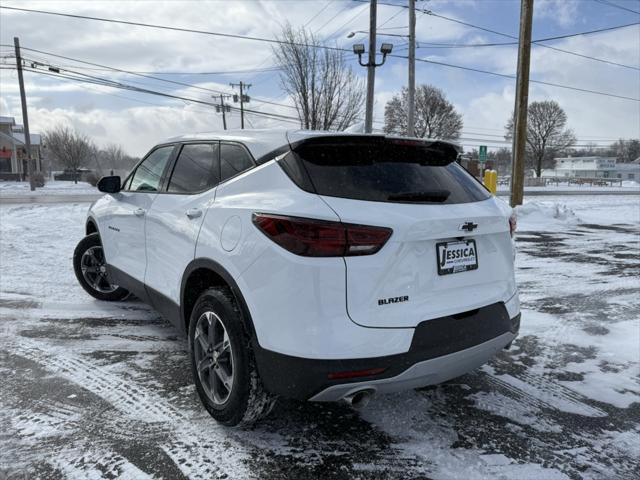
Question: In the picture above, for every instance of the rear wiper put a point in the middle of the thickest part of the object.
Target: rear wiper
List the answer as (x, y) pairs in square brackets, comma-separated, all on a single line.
[(426, 196)]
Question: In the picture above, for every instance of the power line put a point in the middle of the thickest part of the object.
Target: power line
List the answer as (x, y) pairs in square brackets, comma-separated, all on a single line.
[(318, 13), (588, 32), (346, 7), (77, 76), (541, 82), (546, 39), (615, 5), (269, 57), (558, 37), (165, 27), (433, 62), (270, 40), (351, 19), (141, 74), (71, 75), (154, 72), (536, 42)]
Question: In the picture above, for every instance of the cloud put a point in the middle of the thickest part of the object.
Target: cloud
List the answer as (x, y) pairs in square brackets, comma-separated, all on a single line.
[(561, 12)]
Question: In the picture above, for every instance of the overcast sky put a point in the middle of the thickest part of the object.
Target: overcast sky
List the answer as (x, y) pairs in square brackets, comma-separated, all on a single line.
[(137, 120)]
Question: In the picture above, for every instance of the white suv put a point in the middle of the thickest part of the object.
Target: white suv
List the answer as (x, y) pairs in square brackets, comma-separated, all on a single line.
[(313, 265)]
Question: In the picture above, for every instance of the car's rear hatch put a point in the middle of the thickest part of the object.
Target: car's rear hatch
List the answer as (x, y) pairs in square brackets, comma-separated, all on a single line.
[(433, 207)]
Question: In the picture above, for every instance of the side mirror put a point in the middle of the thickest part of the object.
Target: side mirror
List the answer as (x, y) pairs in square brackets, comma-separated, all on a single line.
[(109, 184)]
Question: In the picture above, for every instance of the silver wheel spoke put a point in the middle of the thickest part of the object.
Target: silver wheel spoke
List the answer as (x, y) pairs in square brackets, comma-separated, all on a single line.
[(92, 266), (225, 378), (222, 346), (204, 364), (201, 340), (214, 357), (210, 329)]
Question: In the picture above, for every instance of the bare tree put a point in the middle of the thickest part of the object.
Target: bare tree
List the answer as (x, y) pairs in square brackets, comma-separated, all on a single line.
[(113, 157), (435, 116), (325, 91), (70, 148), (626, 150), (546, 133)]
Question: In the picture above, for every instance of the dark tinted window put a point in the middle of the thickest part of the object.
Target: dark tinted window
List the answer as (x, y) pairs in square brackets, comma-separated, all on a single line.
[(233, 160), (148, 175), (384, 170), (196, 169)]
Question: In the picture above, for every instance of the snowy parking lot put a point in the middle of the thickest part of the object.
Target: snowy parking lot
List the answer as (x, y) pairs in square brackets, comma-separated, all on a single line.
[(95, 390)]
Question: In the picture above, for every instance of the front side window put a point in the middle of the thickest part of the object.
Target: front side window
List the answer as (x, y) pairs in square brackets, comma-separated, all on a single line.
[(196, 170), (148, 175), (234, 159)]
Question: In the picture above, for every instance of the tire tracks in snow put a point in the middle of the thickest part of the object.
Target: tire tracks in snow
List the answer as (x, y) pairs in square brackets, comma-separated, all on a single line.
[(203, 452), (543, 392)]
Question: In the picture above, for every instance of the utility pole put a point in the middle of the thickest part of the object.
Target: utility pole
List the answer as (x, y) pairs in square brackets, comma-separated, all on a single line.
[(223, 108), (371, 67), (521, 104), (243, 98), (25, 118), (224, 115), (412, 69)]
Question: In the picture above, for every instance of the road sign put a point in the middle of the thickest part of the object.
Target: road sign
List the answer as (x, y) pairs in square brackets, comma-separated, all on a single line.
[(482, 155)]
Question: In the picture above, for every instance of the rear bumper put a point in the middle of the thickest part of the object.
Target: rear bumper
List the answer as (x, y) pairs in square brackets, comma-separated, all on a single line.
[(421, 374), (441, 349)]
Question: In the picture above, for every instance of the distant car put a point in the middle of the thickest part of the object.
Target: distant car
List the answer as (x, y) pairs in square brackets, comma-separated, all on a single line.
[(80, 174), (310, 265)]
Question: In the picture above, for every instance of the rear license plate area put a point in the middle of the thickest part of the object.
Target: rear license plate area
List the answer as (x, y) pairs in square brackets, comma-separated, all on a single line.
[(457, 256)]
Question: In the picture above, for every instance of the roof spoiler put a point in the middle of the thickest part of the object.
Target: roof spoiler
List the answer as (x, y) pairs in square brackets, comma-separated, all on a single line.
[(439, 152)]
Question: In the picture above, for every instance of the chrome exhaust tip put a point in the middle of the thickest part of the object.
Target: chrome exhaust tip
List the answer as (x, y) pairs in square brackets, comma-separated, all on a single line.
[(360, 398)]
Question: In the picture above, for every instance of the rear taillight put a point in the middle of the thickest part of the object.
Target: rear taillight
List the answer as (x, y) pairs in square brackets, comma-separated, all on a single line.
[(513, 223), (320, 238)]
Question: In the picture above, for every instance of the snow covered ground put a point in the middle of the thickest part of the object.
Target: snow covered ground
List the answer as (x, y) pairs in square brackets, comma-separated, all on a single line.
[(55, 187), (630, 185), (94, 390)]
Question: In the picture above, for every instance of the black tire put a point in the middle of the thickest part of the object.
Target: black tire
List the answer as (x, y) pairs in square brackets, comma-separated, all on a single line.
[(246, 401), (92, 243)]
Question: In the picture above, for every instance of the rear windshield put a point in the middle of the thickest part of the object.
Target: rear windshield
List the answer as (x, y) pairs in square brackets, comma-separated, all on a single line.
[(383, 170)]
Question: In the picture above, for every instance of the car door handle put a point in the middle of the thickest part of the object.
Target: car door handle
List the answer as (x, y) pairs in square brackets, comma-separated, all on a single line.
[(139, 212), (193, 212)]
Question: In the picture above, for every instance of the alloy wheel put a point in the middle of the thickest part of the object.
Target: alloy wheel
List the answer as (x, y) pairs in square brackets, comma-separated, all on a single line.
[(214, 357), (94, 270)]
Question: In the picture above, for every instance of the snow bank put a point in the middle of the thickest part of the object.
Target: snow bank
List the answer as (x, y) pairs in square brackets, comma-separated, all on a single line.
[(546, 213)]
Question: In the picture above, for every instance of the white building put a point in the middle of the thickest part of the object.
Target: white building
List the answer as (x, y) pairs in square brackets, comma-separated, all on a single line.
[(594, 167)]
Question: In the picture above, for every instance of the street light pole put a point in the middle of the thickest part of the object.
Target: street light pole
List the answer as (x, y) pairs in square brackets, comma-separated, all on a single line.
[(25, 118), (371, 68), (412, 70)]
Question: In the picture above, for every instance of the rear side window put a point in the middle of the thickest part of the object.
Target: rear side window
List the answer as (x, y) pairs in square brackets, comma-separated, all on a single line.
[(196, 169), (148, 175), (234, 159), (383, 170)]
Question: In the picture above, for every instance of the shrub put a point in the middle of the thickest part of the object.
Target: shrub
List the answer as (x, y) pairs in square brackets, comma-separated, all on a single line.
[(39, 180), (92, 178)]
